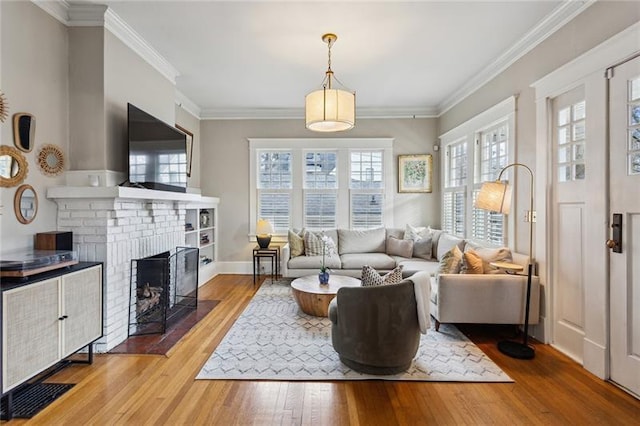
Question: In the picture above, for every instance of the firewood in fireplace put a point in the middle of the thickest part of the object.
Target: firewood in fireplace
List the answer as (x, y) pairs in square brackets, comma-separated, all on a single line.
[(148, 297)]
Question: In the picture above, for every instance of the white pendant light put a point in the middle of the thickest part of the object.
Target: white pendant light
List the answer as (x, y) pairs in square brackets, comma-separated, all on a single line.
[(330, 109)]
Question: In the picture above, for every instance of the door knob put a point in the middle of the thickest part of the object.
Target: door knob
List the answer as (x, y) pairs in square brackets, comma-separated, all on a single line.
[(611, 243)]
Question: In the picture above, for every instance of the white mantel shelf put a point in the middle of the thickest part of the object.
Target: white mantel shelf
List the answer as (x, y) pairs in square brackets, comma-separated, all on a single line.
[(111, 192)]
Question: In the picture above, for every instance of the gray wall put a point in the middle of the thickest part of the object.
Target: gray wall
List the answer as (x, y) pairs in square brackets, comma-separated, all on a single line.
[(129, 78), (595, 25), (224, 165), (86, 99), (34, 80)]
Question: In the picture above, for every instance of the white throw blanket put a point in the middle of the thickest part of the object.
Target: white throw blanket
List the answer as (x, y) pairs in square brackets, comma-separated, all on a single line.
[(422, 288)]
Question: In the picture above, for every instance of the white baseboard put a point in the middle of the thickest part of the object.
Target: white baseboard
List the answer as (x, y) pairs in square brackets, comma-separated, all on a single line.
[(595, 358)]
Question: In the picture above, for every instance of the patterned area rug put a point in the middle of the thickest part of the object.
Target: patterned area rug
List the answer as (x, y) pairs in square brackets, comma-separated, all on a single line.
[(274, 340)]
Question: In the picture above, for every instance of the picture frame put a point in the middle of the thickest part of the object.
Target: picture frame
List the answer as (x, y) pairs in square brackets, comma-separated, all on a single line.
[(415, 173), (189, 147)]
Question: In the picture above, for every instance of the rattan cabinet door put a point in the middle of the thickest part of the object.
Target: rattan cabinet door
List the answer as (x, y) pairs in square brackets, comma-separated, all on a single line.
[(30, 331), (81, 309)]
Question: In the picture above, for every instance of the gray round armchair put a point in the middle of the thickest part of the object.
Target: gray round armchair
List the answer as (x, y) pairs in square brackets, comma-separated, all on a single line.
[(375, 330)]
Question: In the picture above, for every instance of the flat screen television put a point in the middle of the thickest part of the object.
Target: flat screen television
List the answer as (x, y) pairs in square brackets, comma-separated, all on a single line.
[(157, 153)]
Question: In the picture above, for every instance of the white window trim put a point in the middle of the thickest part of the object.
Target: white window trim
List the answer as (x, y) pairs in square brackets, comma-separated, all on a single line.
[(469, 129), (343, 146)]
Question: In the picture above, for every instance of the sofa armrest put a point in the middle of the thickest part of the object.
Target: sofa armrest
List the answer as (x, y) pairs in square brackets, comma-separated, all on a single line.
[(486, 298), (285, 253)]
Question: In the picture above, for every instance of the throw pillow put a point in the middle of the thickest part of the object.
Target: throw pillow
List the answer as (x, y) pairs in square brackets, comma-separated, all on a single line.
[(371, 277), (415, 233), (446, 243), (435, 237), (471, 263), (422, 248), (296, 244), (450, 262), (422, 241), (398, 247), (313, 244), (488, 255)]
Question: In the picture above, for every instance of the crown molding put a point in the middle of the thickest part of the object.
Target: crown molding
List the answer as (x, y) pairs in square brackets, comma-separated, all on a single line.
[(135, 42), (97, 15), (86, 15), (298, 113), (188, 105), (560, 16)]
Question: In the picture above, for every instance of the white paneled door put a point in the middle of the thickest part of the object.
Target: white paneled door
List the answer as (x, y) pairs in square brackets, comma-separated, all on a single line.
[(570, 214), (624, 159)]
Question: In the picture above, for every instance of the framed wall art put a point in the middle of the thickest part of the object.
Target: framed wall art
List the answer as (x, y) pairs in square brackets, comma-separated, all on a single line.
[(414, 173), (189, 147)]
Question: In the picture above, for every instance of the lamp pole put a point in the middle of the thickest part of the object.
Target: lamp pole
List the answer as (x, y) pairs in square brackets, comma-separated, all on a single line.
[(508, 347)]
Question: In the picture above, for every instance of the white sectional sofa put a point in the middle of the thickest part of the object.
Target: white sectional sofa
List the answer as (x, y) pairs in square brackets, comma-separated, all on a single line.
[(354, 250), (488, 298)]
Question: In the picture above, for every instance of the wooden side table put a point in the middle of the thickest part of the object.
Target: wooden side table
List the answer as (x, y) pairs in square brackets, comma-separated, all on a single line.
[(510, 268), (272, 253)]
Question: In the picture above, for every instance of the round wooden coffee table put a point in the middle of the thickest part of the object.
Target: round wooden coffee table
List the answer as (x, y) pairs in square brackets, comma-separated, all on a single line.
[(314, 298)]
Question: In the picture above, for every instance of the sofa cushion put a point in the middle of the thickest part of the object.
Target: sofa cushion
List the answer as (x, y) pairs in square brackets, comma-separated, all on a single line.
[(446, 242), (413, 265), (376, 260), (471, 263), (435, 238), (296, 243), (451, 261), (313, 262), (398, 247), (365, 241), (371, 277)]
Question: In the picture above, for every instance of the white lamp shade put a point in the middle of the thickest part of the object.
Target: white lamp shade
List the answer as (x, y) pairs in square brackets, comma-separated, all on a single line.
[(264, 227), (330, 110), (495, 197)]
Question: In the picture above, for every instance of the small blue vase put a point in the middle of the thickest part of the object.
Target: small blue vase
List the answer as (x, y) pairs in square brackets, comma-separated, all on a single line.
[(324, 277)]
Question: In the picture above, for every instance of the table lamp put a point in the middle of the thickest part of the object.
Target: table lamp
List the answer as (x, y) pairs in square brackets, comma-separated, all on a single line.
[(496, 197), (264, 229)]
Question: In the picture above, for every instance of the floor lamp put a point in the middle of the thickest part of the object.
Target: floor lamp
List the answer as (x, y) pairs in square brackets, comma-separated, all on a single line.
[(496, 197)]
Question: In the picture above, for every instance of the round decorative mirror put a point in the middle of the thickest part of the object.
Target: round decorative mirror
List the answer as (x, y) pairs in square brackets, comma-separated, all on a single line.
[(24, 131), (51, 160), (25, 204), (13, 167)]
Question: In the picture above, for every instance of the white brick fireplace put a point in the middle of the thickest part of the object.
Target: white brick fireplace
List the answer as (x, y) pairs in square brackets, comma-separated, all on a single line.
[(115, 225)]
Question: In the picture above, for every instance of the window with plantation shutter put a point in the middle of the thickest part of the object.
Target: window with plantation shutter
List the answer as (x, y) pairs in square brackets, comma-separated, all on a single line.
[(492, 150), (453, 205), (366, 210), (366, 189), (320, 189), (486, 225), (274, 188), (473, 153), (321, 184)]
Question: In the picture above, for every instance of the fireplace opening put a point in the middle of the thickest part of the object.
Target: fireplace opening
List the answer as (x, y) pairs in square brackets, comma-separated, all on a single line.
[(164, 288)]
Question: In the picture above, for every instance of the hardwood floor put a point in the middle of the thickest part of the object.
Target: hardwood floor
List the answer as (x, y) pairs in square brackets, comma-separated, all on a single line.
[(156, 389)]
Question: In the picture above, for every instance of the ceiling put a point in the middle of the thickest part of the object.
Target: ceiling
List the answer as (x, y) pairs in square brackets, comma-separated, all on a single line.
[(259, 59)]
